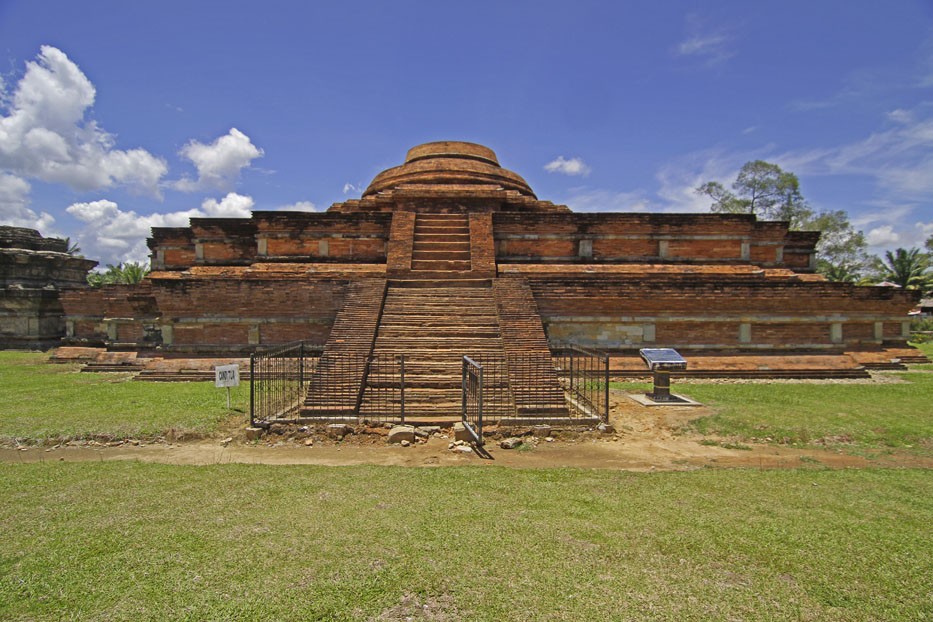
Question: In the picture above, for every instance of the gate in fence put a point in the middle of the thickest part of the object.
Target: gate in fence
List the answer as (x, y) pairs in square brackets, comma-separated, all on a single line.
[(584, 374), (472, 408), (278, 381)]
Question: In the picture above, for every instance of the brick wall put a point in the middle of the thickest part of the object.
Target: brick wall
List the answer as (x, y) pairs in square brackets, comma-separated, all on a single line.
[(401, 241), (482, 246), (688, 238), (692, 310)]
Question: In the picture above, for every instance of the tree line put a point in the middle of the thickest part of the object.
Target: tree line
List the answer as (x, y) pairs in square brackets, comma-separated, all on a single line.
[(770, 193)]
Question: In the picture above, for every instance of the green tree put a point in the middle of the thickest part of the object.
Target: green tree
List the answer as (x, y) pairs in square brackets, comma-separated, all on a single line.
[(906, 267), (771, 193), (72, 248), (128, 273), (763, 189), (929, 244), (842, 252)]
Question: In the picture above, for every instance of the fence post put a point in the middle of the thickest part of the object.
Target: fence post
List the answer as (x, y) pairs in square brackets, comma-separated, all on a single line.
[(463, 389), (402, 384), (301, 365), (571, 370), (252, 392), (479, 419), (607, 389)]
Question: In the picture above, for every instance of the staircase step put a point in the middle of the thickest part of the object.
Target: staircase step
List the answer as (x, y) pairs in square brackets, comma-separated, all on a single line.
[(440, 265)]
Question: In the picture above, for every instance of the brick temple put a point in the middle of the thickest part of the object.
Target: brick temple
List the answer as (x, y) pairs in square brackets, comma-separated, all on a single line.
[(451, 254), (33, 270)]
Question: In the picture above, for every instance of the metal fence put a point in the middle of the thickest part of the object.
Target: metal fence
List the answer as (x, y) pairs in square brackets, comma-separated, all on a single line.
[(384, 393), (584, 375), (296, 382), (278, 380), (472, 409)]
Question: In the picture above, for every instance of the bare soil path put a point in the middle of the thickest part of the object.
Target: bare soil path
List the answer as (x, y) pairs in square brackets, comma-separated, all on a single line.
[(646, 439)]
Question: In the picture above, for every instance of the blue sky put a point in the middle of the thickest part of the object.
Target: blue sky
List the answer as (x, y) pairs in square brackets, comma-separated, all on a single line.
[(118, 116)]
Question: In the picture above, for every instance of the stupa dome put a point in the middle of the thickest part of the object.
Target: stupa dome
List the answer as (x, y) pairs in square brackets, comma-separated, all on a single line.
[(449, 163)]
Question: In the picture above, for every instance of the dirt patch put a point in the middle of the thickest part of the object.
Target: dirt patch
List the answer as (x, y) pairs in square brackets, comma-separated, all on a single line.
[(645, 439), (414, 607)]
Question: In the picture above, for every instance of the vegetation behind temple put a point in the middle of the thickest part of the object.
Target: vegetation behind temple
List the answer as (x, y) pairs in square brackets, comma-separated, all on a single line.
[(770, 193), (126, 273)]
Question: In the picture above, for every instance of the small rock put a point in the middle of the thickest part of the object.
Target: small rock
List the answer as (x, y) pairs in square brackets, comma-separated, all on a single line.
[(451, 445), (226, 441), (549, 439), (253, 434), (279, 429), (510, 443), (463, 449), (401, 433), (421, 433), (337, 430), (605, 428), (405, 443), (541, 430), (461, 433), (309, 442)]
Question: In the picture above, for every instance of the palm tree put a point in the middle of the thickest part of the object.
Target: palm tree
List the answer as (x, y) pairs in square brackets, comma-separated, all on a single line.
[(72, 248), (128, 273), (841, 272), (906, 267), (133, 272)]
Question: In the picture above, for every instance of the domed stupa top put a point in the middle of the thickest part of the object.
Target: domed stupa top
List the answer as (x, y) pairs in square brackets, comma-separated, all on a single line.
[(450, 163)]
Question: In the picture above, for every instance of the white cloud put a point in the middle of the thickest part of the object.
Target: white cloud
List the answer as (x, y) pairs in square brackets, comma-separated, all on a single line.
[(901, 116), (349, 188), (882, 236), (573, 166), (219, 163), (14, 206), (599, 200), (900, 159), (300, 206), (231, 206), (709, 44), (44, 134), (112, 235)]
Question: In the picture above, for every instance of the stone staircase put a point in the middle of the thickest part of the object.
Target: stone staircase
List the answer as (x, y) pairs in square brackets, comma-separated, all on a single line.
[(433, 315), (434, 326), (441, 243), (336, 385), (536, 387)]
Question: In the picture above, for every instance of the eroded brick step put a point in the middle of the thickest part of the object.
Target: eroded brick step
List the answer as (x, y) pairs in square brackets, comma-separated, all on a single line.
[(441, 245), (440, 255), (440, 321), (439, 228), (440, 265), (463, 279)]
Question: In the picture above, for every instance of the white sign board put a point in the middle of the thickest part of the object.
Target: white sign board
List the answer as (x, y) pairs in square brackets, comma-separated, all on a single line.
[(227, 376)]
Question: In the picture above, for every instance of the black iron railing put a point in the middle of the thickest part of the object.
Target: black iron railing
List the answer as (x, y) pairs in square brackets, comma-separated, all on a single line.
[(584, 375), (473, 393), (298, 382), (384, 394), (277, 381)]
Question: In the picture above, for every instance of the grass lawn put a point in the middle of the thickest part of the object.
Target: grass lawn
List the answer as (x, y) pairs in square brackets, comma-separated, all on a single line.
[(926, 348), (42, 402), (869, 415), (131, 541)]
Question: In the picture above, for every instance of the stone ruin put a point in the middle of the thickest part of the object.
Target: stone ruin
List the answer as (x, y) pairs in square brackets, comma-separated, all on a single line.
[(33, 271)]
